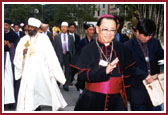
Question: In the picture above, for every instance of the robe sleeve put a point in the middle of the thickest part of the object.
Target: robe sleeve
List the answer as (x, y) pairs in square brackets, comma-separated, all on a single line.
[(53, 64), (18, 59)]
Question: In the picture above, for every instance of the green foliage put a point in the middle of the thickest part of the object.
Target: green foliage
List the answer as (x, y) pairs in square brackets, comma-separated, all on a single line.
[(53, 14)]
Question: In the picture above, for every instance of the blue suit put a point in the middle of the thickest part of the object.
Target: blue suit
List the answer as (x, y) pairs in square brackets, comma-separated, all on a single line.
[(139, 97)]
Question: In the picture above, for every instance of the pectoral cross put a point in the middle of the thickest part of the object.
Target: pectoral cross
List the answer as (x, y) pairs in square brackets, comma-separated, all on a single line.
[(26, 46)]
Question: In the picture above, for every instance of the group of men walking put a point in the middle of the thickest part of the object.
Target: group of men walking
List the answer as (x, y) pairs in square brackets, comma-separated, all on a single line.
[(110, 68)]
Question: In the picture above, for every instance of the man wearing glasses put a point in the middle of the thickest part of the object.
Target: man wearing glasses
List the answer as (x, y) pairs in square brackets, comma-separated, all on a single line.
[(104, 66)]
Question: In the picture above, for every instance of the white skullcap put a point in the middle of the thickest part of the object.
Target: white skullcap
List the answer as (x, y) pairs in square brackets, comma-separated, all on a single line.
[(64, 24), (34, 22), (22, 24)]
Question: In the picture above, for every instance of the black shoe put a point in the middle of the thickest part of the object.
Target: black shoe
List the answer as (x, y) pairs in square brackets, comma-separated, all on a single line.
[(66, 88), (71, 84), (38, 108)]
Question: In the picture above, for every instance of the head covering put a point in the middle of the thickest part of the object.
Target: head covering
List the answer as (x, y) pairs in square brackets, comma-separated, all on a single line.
[(6, 20), (106, 16), (86, 26), (64, 24), (21, 24), (34, 22)]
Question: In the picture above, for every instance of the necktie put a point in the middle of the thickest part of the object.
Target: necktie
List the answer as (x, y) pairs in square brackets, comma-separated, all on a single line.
[(65, 47), (18, 34)]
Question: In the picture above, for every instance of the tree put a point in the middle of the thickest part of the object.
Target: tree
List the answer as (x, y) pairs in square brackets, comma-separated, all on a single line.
[(53, 14), (156, 13), (141, 11), (20, 12)]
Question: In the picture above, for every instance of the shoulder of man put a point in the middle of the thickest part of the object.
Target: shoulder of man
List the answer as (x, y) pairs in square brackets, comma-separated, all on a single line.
[(58, 35), (77, 35), (90, 46)]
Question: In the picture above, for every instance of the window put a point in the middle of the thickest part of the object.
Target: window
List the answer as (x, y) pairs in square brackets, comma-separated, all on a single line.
[(103, 5), (103, 12)]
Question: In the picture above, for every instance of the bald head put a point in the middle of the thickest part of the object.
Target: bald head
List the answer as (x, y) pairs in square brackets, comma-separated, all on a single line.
[(44, 27)]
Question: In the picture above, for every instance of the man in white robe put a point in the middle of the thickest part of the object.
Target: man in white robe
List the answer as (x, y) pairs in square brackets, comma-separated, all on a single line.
[(37, 65)]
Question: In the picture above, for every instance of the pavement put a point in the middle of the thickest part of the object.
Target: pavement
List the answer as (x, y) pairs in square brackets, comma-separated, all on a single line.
[(70, 96)]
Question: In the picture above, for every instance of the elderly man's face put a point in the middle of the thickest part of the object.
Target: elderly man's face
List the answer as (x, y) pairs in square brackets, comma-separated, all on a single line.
[(90, 31), (64, 29), (44, 27), (107, 30)]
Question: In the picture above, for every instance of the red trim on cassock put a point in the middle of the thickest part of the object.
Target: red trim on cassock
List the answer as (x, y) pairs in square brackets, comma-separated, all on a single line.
[(127, 76), (75, 67), (130, 65), (81, 69), (100, 56), (123, 94), (87, 75), (119, 60), (106, 53), (127, 86), (100, 41), (105, 104)]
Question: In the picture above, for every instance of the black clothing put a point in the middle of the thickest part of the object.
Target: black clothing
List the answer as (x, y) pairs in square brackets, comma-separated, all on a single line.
[(139, 95), (92, 72)]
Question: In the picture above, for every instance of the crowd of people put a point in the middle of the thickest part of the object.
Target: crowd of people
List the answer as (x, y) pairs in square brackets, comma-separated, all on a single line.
[(109, 68)]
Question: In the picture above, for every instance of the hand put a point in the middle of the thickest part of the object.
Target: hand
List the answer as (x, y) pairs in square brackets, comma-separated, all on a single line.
[(5, 42), (112, 65), (149, 79), (8, 43), (25, 51)]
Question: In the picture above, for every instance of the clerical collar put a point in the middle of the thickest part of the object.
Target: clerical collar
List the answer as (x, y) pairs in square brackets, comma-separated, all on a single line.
[(106, 44)]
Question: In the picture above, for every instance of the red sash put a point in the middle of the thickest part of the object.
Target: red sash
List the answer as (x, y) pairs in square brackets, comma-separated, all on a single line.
[(113, 86)]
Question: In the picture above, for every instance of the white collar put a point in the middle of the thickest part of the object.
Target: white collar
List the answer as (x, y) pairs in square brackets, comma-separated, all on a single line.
[(106, 44)]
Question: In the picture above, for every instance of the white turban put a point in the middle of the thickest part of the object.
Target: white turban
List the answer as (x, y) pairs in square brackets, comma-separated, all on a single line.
[(64, 24), (34, 22)]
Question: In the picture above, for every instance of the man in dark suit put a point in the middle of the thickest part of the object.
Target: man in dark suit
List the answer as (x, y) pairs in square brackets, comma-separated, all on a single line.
[(146, 51), (76, 37), (44, 28), (65, 50), (18, 32), (72, 28), (120, 37), (89, 30)]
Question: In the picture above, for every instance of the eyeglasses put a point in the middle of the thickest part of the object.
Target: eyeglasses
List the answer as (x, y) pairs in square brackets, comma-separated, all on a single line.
[(106, 30)]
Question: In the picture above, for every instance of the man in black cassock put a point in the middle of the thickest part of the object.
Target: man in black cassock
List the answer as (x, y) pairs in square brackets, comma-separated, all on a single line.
[(104, 66), (10, 38)]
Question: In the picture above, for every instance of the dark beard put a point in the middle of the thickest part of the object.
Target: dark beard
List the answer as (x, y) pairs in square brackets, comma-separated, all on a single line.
[(32, 33)]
